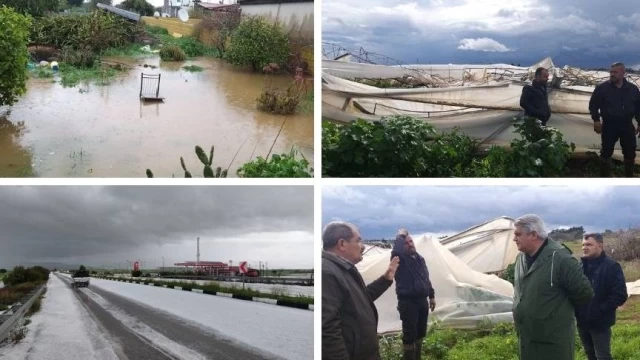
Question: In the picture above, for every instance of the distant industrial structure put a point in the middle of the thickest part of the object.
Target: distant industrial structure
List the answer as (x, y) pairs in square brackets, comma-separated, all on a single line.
[(214, 268)]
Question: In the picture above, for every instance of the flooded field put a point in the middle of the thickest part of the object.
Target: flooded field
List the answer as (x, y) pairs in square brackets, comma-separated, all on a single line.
[(106, 131)]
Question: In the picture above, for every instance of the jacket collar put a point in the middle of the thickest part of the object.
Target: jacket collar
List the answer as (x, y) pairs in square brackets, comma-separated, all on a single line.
[(545, 255), (340, 261)]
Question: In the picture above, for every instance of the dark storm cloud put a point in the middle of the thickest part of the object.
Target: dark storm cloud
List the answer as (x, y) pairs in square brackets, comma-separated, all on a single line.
[(380, 211), (60, 222), (589, 33)]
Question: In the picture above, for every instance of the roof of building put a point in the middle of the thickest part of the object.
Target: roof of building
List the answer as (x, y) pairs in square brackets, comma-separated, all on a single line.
[(263, 2), (217, 7)]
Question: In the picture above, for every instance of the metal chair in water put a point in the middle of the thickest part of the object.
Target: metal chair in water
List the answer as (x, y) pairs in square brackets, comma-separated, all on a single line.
[(150, 87)]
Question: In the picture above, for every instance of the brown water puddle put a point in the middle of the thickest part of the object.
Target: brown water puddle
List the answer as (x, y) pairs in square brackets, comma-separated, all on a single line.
[(106, 131)]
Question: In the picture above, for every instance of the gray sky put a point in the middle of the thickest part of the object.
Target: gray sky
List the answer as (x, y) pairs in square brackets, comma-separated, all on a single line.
[(379, 211), (108, 225), (588, 33)]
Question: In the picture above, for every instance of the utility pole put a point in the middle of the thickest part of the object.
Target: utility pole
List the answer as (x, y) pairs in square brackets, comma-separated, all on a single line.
[(163, 264)]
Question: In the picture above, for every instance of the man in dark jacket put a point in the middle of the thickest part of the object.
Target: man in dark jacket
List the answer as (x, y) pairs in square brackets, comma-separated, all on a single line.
[(349, 316), (596, 318), (617, 102), (413, 287), (534, 99), (548, 286)]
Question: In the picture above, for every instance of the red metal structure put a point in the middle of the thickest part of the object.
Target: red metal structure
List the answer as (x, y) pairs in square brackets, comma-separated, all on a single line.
[(217, 268)]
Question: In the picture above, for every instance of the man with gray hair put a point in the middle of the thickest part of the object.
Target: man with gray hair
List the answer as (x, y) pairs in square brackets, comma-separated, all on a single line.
[(349, 315), (617, 102), (596, 318), (548, 286)]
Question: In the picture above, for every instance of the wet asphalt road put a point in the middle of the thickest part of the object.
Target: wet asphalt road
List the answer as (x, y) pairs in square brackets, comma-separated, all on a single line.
[(131, 344)]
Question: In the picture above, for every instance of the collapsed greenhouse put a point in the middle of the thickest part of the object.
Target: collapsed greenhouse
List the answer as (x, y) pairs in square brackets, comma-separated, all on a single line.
[(481, 100), (462, 270)]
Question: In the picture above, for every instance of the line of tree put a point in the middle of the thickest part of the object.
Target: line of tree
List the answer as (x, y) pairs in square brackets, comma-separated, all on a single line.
[(570, 234), (21, 275), (141, 7)]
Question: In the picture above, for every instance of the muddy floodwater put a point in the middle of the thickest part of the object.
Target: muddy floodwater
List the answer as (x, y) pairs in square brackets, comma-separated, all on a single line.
[(106, 131)]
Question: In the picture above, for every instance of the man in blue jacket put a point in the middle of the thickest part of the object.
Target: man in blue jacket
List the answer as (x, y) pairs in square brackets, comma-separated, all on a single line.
[(596, 318), (413, 287), (613, 105), (535, 97)]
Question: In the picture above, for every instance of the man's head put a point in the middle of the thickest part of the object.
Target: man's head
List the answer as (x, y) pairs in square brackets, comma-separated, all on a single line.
[(592, 245), (617, 72), (541, 75), (409, 246), (343, 239), (529, 233)]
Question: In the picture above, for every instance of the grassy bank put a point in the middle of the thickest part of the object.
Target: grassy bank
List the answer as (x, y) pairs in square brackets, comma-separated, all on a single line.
[(276, 294), (501, 343), (11, 294)]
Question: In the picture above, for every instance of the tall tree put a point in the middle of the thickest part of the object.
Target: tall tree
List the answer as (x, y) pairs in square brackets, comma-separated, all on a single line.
[(14, 58)]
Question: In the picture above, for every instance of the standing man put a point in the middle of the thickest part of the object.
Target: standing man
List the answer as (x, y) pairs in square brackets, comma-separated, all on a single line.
[(349, 316), (534, 99), (596, 318), (548, 286), (617, 102), (413, 287)]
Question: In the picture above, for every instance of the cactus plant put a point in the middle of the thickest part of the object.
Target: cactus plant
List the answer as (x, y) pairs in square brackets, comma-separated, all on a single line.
[(207, 161)]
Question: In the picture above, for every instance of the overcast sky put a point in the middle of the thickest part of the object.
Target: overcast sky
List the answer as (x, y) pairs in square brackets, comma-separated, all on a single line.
[(587, 33), (380, 211), (99, 226)]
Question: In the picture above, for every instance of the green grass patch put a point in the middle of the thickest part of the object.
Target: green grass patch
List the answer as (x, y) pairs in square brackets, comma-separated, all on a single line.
[(156, 30), (305, 106), (42, 72), (133, 50), (72, 76), (193, 68), (500, 342), (236, 290)]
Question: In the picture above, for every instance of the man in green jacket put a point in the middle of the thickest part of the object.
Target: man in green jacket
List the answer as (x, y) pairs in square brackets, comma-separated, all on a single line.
[(548, 285)]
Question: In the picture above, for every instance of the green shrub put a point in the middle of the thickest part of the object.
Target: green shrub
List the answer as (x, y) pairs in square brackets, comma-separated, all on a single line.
[(257, 42), (21, 275), (400, 146), (541, 151), (83, 58), (172, 53), (97, 31), (397, 146), (141, 7), (34, 8), (14, 58), (278, 101), (279, 166), (191, 46)]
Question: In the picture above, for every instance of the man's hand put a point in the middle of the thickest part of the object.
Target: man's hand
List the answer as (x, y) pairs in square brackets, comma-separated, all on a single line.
[(597, 127), (432, 304), (638, 130), (391, 270)]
